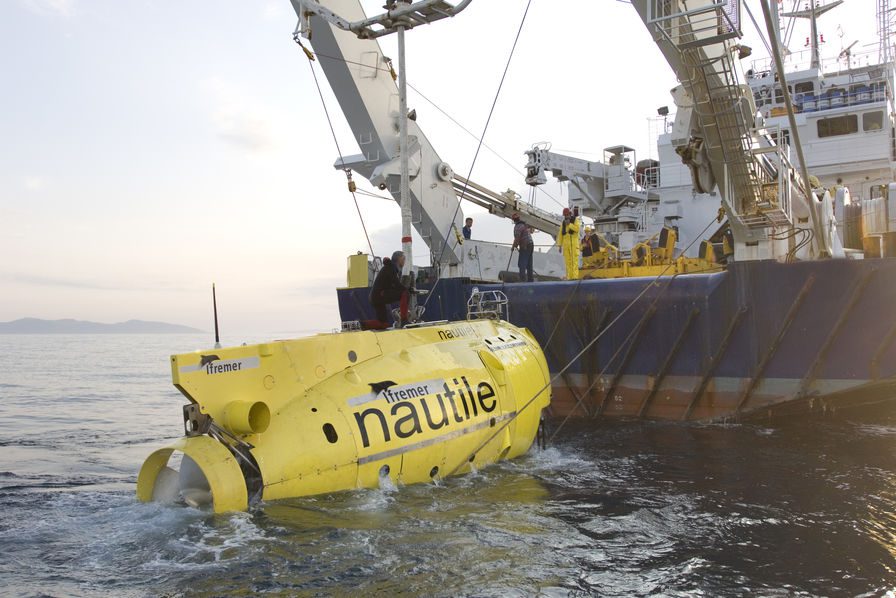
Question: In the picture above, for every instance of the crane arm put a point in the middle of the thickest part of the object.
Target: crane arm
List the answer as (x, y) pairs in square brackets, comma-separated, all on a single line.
[(363, 82), (407, 14)]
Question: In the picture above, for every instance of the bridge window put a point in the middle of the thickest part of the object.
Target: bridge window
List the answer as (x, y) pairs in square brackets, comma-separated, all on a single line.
[(779, 93), (805, 87), (838, 125), (873, 121)]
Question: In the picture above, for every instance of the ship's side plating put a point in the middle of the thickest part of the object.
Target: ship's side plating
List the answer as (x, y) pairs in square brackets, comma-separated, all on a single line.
[(758, 340)]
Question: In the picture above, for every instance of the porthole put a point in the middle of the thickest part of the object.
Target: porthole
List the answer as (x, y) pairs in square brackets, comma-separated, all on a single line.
[(434, 471), (352, 356), (330, 433)]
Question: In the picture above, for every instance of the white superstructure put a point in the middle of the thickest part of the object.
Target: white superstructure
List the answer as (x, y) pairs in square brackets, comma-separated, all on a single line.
[(729, 144)]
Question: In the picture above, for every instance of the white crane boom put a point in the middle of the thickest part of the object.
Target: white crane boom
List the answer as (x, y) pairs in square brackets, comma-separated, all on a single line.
[(362, 80)]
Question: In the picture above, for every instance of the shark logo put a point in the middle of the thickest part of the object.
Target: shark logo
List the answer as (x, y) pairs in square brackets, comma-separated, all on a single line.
[(204, 360), (378, 387)]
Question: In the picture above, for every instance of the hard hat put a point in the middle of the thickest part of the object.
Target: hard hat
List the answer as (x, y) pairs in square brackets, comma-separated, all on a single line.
[(588, 229), (566, 212)]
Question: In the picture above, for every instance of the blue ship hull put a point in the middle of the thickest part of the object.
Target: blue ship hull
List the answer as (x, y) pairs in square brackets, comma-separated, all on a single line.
[(760, 340)]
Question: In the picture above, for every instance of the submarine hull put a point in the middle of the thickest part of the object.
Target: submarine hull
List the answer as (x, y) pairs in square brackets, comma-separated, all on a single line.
[(349, 410), (759, 340)]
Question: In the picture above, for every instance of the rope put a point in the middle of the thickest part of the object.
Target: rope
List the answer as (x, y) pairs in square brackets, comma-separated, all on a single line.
[(575, 358), (630, 334), (478, 148), (486, 146), (440, 109), (348, 172)]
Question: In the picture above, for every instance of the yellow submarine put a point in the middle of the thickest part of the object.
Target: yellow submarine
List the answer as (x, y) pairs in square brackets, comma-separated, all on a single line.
[(348, 410), (354, 409)]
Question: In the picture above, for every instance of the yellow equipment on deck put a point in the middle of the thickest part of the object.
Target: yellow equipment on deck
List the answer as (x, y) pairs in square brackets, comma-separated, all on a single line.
[(647, 260), (346, 410)]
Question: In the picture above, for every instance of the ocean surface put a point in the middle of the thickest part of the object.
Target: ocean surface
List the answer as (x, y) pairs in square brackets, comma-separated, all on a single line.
[(610, 509)]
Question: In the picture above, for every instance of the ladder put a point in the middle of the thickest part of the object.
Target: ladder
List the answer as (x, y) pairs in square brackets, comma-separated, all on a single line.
[(703, 35)]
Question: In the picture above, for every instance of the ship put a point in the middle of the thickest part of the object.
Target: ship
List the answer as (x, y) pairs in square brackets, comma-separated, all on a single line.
[(748, 273)]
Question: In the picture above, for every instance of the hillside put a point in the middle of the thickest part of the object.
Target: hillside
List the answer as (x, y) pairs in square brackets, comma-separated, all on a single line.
[(69, 326)]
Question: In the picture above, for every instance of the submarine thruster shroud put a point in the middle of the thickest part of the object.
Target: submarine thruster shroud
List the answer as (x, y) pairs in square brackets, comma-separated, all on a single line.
[(345, 410)]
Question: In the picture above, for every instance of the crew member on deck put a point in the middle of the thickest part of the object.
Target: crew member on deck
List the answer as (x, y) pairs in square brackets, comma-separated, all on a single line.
[(522, 239), (387, 288), (569, 244), (468, 228), (590, 243)]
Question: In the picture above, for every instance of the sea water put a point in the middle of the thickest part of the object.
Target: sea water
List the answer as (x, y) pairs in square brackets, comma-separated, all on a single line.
[(610, 509)]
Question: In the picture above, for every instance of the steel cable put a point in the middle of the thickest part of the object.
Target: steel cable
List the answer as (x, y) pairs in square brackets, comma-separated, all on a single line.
[(478, 149), (336, 141), (575, 358)]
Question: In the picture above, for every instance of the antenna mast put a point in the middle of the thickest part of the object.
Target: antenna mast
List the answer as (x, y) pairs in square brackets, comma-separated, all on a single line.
[(812, 12), (215, 309), (885, 30)]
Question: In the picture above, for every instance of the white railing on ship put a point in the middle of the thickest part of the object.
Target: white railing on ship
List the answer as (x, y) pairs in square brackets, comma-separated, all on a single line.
[(802, 60)]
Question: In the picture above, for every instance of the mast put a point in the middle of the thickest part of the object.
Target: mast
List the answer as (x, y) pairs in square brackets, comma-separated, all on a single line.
[(884, 30), (812, 13), (775, 41), (404, 190)]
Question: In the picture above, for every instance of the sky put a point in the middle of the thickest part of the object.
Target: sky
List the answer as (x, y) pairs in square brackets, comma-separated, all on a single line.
[(153, 147)]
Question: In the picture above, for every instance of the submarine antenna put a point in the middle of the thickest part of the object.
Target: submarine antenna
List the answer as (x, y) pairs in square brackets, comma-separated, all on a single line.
[(215, 308)]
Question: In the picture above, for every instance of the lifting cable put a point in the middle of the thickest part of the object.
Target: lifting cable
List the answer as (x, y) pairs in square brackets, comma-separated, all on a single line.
[(444, 112), (476, 155), (632, 332), (575, 358), (348, 172), (488, 147)]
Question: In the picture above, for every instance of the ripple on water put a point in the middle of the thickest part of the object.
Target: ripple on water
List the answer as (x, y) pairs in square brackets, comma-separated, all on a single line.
[(612, 509)]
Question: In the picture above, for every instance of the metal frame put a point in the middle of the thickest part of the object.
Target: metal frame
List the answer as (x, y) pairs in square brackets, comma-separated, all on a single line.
[(491, 305), (720, 18), (776, 342), (857, 293), (620, 372), (664, 369), (400, 15), (714, 362)]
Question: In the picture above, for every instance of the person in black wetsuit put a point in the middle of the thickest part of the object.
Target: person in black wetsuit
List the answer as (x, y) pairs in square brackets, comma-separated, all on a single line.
[(387, 288)]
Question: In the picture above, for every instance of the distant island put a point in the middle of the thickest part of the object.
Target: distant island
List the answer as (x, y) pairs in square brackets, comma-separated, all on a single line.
[(69, 326)]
